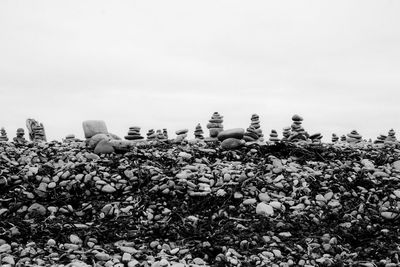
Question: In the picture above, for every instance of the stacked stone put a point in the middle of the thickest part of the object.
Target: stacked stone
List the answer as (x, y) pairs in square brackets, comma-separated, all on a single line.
[(160, 135), (255, 123), (297, 131), (20, 139), (354, 137), (391, 136), (165, 133), (198, 132), (286, 133), (273, 136), (343, 138), (335, 138), (134, 133), (250, 134), (38, 133), (151, 135), (380, 139), (181, 135), (215, 125), (232, 138), (3, 135), (316, 138), (70, 138)]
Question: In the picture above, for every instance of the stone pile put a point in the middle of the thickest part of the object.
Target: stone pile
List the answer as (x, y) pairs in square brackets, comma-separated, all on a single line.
[(151, 135), (254, 132), (353, 137), (165, 133), (380, 139), (391, 136), (273, 136), (343, 138), (297, 131), (231, 139), (198, 132), (286, 133), (20, 139), (215, 125), (335, 138), (134, 133), (181, 135), (3, 135)]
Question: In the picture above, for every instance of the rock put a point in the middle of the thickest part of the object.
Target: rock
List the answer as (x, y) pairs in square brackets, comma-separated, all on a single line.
[(101, 256), (231, 143), (104, 147), (396, 165), (94, 140), (199, 261), (5, 248), (126, 257), (74, 239), (133, 263), (108, 189), (389, 215), (181, 131), (9, 260), (264, 209), (198, 132), (231, 133), (134, 133), (93, 127), (297, 118), (367, 164), (249, 201), (37, 208)]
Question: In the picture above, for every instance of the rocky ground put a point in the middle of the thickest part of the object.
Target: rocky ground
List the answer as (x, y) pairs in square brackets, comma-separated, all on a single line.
[(196, 205)]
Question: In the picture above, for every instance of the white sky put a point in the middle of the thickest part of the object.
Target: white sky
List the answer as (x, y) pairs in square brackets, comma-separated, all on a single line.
[(171, 64)]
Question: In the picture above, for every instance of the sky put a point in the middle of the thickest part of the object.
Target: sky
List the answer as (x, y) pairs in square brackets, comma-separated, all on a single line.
[(171, 64)]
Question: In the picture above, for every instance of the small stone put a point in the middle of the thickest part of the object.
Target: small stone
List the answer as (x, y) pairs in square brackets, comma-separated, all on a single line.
[(397, 193), (199, 261), (51, 185), (389, 215), (154, 244), (249, 201), (277, 253), (5, 248), (126, 257), (264, 209), (174, 251), (396, 165), (264, 197), (93, 127), (8, 259), (37, 208), (102, 256), (108, 189), (51, 242), (275, 204), (133, 263), (163, 263), (74, 239), (104, 147)]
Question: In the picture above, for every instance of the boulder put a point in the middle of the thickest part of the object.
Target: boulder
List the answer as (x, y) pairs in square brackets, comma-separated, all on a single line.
[(232, 143), (104, 147), (93, 127), (231, 133)]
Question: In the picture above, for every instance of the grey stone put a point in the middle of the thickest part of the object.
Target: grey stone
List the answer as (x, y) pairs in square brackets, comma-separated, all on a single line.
[(231, 133), (93, 127)]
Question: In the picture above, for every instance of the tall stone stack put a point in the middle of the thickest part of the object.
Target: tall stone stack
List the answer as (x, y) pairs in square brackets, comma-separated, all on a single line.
[(198, 132), (36, 131), (297, 131), (3, 135), (255, 123), (151, 135), (273, 136), (391, 136), (286, 133), (354, 137), (335, 138), (215, 125), (250, 135), (134, 133)]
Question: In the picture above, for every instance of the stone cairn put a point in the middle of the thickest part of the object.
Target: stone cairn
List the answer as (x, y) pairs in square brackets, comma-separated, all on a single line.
[(36, 131), (181, 135), (316, 138), (160, 135), (391, 136), (215, 125), (3, 135), (286, 133), (297, 131), (151, 135), (335, 138), (380, 139), (254, 132), (198, 132), (134, 133), (354, 137), (343, 138), (20, 139), (165, 133), (273, 136)]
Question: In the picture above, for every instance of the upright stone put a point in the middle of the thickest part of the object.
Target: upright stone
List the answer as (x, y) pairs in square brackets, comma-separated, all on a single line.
[(215, 125), (134, 133), (198, 132), (93, 127), (3, 135)]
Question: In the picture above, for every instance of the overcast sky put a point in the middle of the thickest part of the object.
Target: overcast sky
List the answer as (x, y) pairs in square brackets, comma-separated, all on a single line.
[(171, 64)]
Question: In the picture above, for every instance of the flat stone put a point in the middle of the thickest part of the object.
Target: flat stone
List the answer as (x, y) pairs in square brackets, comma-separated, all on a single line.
[(249, 201), (232, 143), (93, 127), (231, 133), (181, 131)]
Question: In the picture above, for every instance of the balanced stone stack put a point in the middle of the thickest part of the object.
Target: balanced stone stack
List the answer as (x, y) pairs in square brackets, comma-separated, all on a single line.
[(165, 133), (298, 132), (38, 133), (151, 135), (391, 136), (251, 134), (3, 135), (316, 138), (134, 133), (232, 138), (354, 137), (335, 138), (198, 132), (380, 139), (286, 133), (343, 138), (255, 123), (160, 135), (181, 135), (273, 136), (215, 125), (20, 139)]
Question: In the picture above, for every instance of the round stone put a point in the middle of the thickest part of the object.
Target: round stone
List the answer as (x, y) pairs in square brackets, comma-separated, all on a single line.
[(231, 143), (231, 133)]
